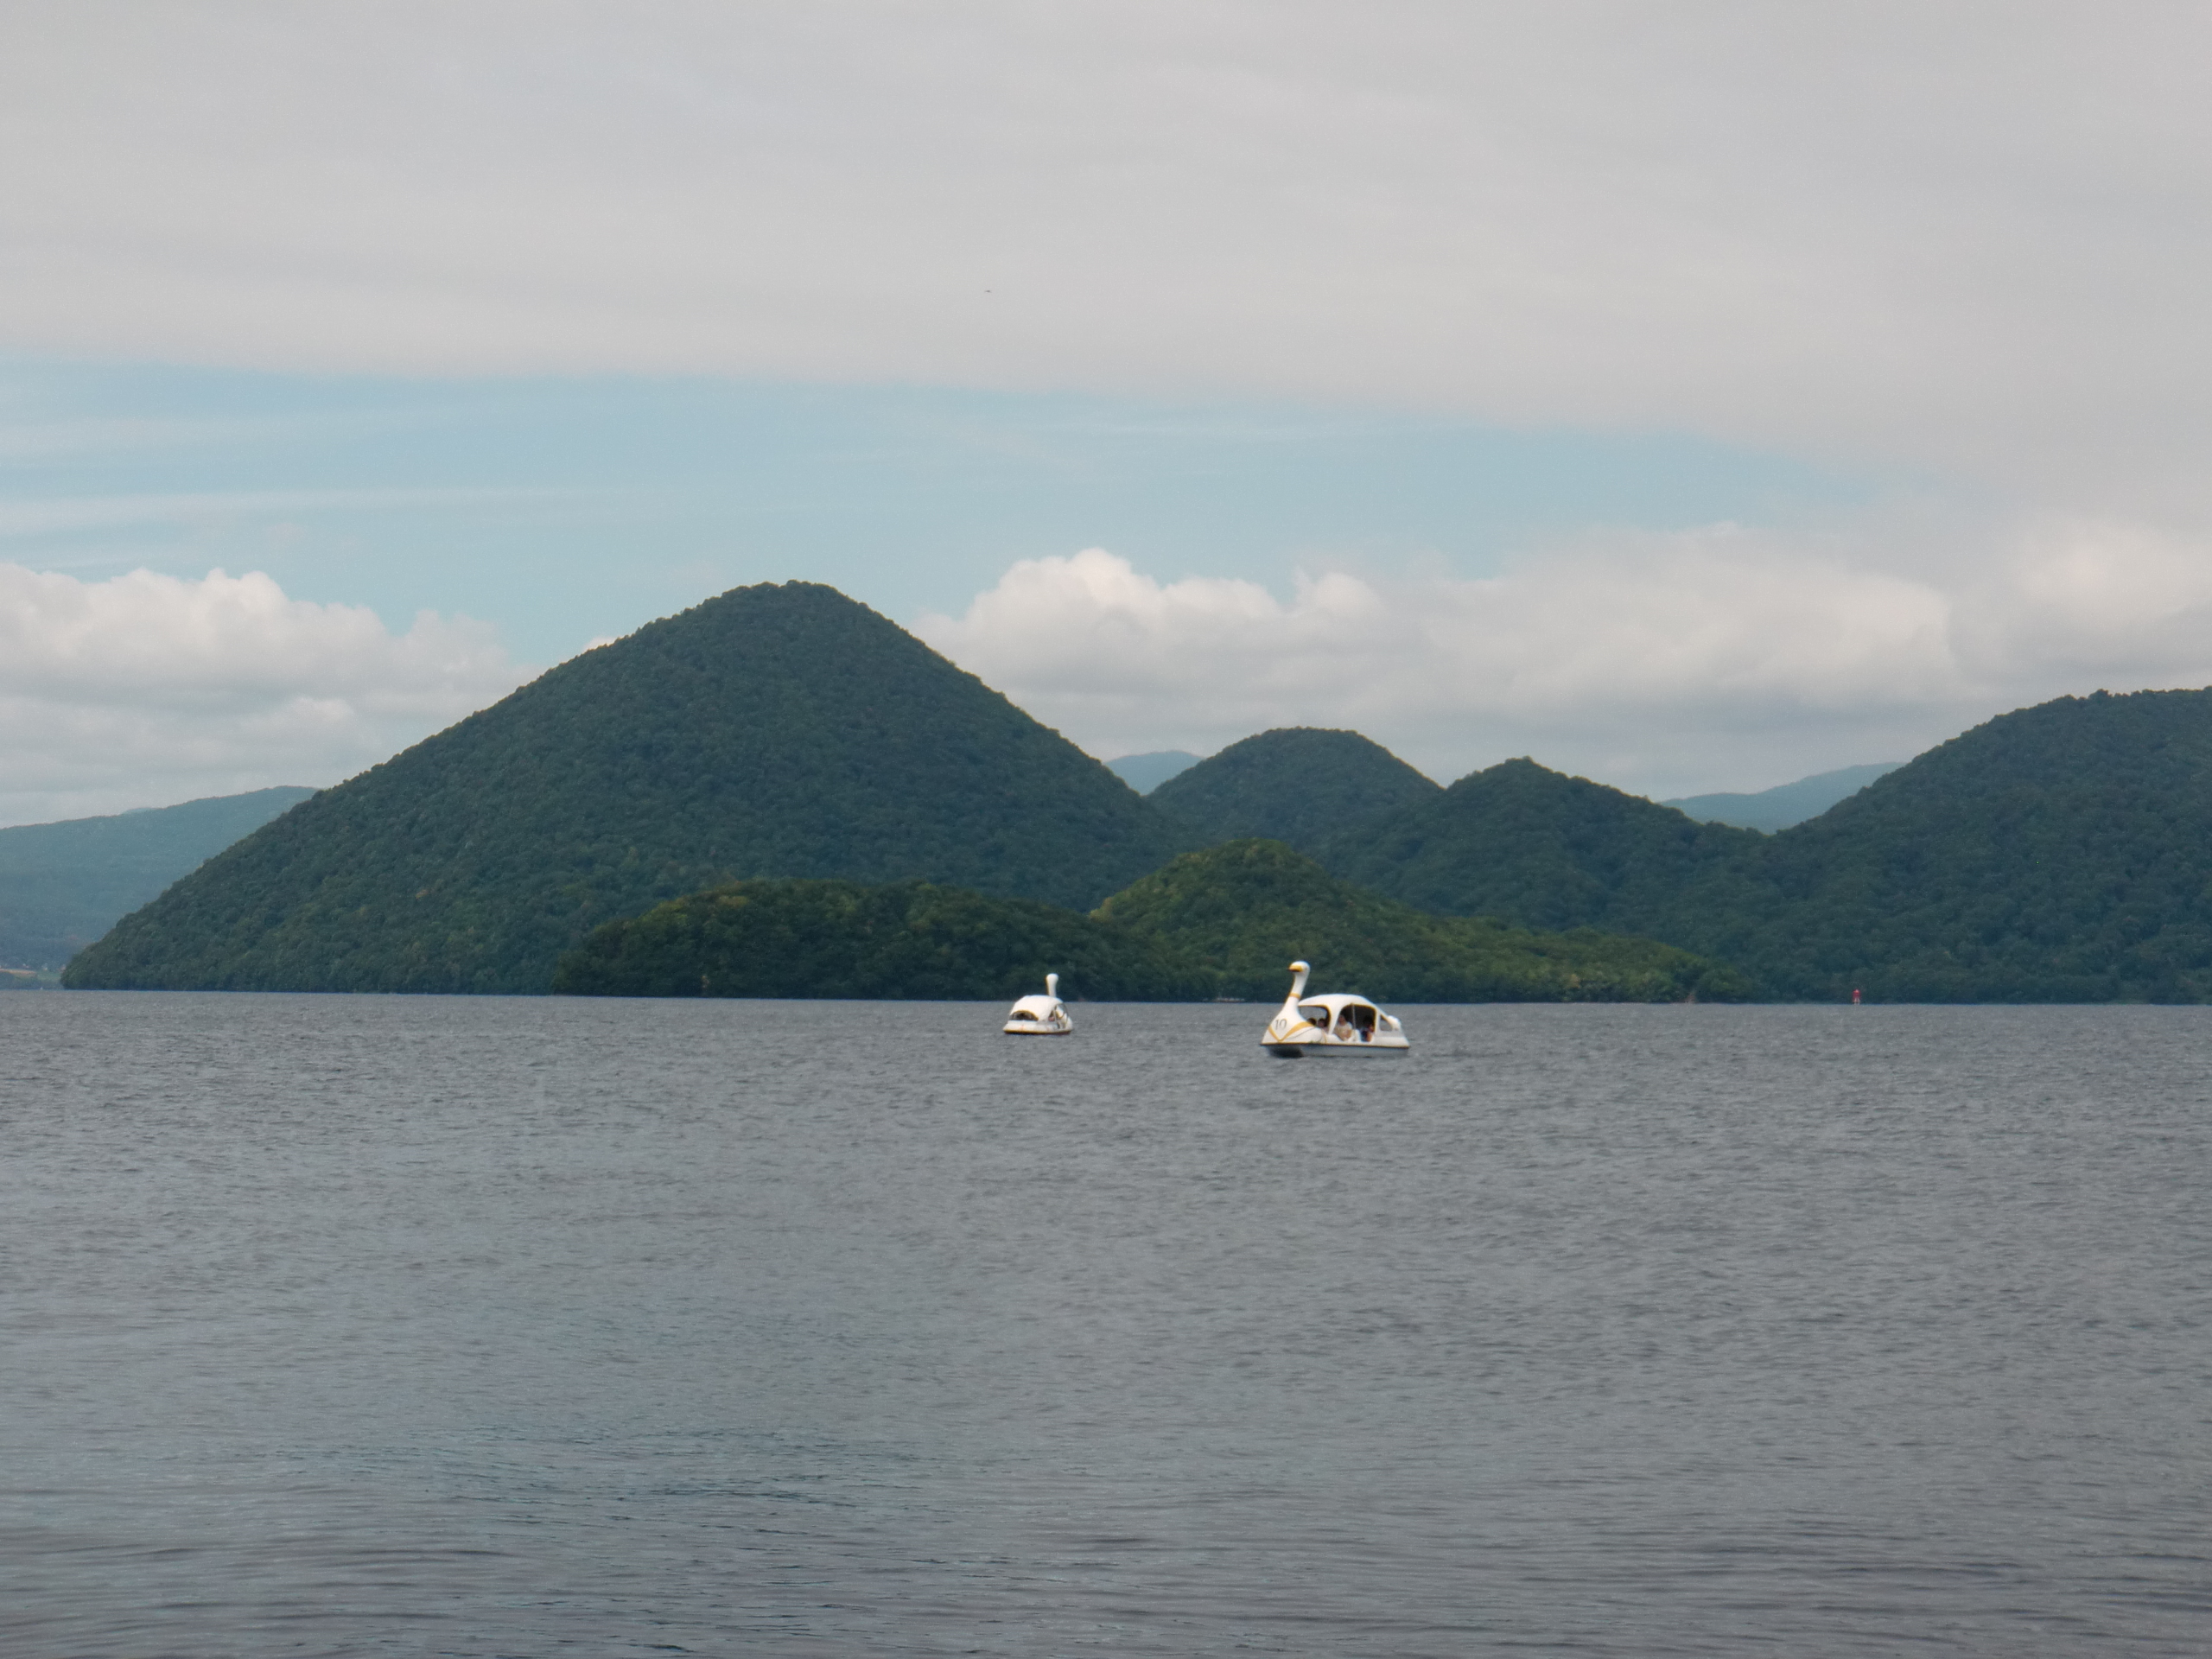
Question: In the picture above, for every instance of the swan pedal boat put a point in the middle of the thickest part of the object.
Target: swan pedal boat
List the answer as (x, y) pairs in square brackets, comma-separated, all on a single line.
[(1339, 1023), (1039, 1016)]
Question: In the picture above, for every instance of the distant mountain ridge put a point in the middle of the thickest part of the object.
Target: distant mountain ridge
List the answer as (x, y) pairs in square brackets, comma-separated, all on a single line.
[(773, 731), (1785, 803), (63, 885), (1146, 773)]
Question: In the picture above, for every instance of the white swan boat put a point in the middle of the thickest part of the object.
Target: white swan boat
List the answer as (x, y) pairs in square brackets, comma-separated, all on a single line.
[(1039, 1016), (1336, 1024)]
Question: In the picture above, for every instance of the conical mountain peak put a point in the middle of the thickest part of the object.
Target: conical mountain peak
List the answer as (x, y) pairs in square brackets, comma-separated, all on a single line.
[(776, 730), (1298, 784)]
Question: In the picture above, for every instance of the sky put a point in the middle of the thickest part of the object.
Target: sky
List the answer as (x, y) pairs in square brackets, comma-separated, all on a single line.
[(1693, 397)]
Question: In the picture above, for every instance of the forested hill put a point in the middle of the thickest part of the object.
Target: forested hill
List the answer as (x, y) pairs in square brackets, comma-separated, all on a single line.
[(1240, 912), (63, 885), (1519, 840), (1298, 784), (774, 731), (2062, 853), (1226, 921), (897, 940)]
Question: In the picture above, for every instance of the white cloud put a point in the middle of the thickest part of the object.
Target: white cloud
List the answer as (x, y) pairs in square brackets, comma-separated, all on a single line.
[(1969, 238), (145, 688), (1721, 658)]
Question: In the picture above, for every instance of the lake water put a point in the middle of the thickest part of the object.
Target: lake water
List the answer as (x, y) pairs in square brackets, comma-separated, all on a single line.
[(384, 1325)]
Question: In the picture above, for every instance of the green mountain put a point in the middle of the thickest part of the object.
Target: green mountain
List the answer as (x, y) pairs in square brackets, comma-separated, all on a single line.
[(1299, 784), (1242, 911), (910, 939), (63, 885), (1523, 843), (2062, 853), (1785, 803), (774, 731)]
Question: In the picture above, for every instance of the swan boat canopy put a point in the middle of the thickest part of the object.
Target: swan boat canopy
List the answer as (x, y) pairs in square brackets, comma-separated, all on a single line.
[(1336, 1024), (1039, 1016)]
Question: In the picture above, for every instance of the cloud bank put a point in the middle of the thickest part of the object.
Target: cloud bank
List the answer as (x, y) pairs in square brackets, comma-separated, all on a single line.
[(1969, 238), (1965, 246), (1668, 664), (145, 689)]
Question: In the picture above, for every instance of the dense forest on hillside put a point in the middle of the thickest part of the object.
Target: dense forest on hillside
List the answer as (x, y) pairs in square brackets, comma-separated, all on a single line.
[(2060, 853), (1528, 844), (1298, 784), (63, 885), (910, 939), (1223, 922), (774, 731), (1243, 911)]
